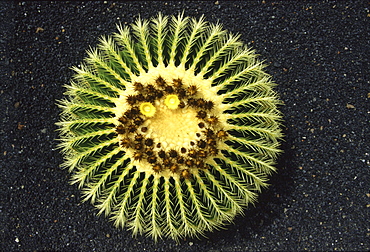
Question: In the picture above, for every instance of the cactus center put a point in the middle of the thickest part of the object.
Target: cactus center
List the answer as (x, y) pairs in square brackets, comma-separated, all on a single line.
[(173, 127), (169, 125)]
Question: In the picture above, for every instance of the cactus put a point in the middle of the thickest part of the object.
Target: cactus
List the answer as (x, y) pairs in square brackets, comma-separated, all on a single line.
[(170, 127)]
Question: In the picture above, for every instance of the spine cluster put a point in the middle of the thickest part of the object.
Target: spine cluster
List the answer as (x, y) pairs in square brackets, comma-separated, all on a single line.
[(183, 161)]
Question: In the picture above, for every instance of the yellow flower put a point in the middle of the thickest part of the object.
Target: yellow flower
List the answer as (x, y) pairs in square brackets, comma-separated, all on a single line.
[(172, 101), (147, 109)]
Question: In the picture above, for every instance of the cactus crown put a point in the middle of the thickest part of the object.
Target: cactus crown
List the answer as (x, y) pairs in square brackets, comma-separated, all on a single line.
[(170, 127)]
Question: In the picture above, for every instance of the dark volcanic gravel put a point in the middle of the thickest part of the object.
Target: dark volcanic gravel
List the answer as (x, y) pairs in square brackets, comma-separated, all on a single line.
[(318, 53)]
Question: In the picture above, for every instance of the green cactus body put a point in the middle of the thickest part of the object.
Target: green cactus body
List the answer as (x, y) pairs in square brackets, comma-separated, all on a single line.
[(170, 127)]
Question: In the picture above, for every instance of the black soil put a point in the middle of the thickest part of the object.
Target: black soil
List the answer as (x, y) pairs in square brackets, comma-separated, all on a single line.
[(318, 53)]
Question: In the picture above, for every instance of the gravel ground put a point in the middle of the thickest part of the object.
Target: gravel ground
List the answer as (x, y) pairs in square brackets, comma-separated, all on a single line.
[(318, 53)]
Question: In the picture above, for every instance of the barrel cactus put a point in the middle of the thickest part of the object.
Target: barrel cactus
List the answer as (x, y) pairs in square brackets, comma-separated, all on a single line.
[(170, 127)]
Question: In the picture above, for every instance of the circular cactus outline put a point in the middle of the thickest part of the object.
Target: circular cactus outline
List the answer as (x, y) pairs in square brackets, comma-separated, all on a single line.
[(171, 127)]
